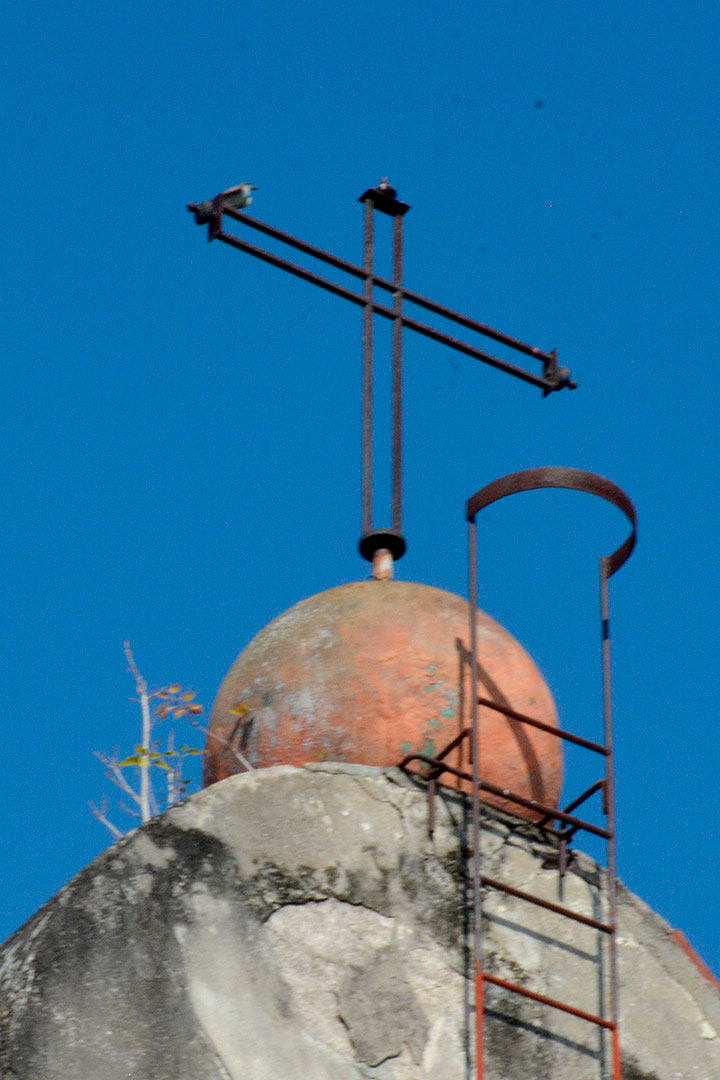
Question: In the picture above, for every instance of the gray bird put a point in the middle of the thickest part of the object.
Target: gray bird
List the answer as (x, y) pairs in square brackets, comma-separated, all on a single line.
[(386, 187), (234, 198)]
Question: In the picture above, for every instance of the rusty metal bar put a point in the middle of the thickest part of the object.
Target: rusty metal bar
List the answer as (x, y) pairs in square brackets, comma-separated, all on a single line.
[(454, 742), (493, 883), (476, 813), (473, 324), (297, 271), (559, 732), (215, 222), (387, 313), (479, 1024), (469, 350), (300, 245), (509, 796), (574, 480), (605, 572), (545, 727), (387, 286), (552, 1002), (397, 371), (367, 377), (563, 854), (617, 1066), (599, 785)]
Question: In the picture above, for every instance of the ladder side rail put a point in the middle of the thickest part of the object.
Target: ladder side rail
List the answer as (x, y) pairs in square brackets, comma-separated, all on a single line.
[(606, 570), (476, 813)]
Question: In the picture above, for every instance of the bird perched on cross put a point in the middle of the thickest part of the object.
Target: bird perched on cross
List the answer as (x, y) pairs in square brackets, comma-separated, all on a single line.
[(233, 198)]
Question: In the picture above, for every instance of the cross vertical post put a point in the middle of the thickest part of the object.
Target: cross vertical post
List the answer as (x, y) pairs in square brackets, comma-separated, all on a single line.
[(397, 371), (382, 547), (367, 421)]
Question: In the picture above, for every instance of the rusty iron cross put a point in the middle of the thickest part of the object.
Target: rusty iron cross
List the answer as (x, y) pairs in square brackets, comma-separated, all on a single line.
[(380, 546)]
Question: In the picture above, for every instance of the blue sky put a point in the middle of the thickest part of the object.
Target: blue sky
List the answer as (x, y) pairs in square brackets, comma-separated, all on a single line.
[(181, 460)]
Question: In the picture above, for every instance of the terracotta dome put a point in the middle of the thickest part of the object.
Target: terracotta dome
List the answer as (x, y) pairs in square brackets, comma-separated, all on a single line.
[(371, 671)]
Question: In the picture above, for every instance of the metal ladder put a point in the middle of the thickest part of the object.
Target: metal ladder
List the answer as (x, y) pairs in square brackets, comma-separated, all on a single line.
[(568, 823)]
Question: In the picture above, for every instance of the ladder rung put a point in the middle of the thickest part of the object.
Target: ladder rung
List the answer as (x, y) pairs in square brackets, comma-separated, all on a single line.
[(548, 1001), (606, 928), (560, 733)]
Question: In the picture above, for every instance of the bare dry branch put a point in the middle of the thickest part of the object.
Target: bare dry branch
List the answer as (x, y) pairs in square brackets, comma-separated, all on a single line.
[(150, 756), (114, 773), (146, 794), (100, 813), (140, 682)]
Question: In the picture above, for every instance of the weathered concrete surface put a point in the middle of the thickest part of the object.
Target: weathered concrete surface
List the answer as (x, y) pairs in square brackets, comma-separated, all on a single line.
[(298, 923)]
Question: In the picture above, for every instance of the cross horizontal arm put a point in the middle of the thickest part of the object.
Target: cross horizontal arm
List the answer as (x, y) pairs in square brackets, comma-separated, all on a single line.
[(383, 283), (545, 384)]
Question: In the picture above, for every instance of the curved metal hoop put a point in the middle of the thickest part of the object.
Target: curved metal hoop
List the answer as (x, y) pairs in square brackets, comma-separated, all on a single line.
[(555, 477)]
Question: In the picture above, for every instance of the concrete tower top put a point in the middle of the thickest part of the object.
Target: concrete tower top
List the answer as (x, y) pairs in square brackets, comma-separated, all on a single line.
[(299, 923)]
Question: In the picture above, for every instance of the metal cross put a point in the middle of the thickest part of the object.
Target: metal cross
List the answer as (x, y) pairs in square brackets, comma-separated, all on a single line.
[(379, 546)]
